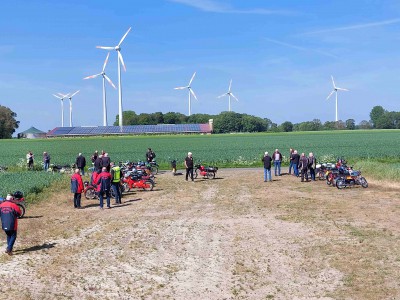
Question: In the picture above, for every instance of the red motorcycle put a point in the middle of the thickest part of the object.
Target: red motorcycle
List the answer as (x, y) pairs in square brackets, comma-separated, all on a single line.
[(133, 180), (206, 172)]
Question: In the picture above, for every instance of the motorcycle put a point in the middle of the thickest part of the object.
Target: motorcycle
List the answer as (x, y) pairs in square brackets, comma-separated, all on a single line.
[(18, 198), (206, 172), (153, 165), (90, 191), (136, 180), (350, 179)]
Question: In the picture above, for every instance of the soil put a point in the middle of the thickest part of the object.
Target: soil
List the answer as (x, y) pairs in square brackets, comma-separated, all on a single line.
[(233, 237)]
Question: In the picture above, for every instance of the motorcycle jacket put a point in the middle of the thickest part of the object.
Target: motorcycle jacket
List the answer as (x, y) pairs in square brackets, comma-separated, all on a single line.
[(9, 213)]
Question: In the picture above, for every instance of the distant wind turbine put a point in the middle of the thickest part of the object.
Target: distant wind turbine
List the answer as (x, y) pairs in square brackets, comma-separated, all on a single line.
[(229, 94), (335, 90), (120, 61), (189, 87), (61, 97), (105, 77), (70, 107)]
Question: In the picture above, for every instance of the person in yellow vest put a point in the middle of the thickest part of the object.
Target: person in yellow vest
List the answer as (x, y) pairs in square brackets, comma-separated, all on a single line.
[(116, 177)]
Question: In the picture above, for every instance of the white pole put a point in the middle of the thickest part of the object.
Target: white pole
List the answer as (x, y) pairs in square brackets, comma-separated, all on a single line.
[(189, 102), (104, 103), (119, 93), (336, 107), (62, 112), (229, 102), (70, 112)]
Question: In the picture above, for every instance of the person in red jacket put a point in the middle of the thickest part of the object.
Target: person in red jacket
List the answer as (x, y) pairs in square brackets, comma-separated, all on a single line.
[(9, 213), (77, 188), (104, 185)]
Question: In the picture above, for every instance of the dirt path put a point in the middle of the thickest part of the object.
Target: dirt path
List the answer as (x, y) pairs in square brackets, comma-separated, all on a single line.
[(234, 237)]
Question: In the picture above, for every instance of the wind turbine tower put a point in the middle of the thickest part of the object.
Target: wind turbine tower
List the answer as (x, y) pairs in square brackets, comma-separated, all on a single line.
[(120, 61), (105, 77), (61, 97), (70, 107), (335, 90), (191, 92), (229, 94)]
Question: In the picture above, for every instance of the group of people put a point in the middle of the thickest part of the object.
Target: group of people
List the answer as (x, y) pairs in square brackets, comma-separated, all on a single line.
[(300, 164)]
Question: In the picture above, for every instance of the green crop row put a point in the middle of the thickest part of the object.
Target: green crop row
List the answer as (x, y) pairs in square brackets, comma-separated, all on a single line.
[(238, 150)]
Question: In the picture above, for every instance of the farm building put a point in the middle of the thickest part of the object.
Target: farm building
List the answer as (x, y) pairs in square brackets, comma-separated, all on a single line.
[(131, 130), (32, 133)]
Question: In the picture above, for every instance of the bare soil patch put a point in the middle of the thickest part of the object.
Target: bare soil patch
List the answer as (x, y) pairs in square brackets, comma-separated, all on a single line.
[(235, 237)]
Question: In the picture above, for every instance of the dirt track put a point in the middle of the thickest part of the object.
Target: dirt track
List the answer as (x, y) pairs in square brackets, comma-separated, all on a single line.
[(234, 237)]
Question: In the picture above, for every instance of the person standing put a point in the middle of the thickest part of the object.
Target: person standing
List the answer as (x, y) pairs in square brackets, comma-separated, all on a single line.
[(295, 160), (189, 166), (116, 176), (97, 163), (267, 167), (106, 161), (9, 213), (290, 161), (277, 158), (303, 165), (46, 161), (150, 155), (94, 156), (104, 186), (29, 160), (311, 165), (77, 188), (81, 163)]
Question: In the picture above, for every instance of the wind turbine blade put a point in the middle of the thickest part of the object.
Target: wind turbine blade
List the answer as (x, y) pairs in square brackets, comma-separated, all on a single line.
[(346, 90), (74, 93), (63, 96), (330, 95), (333, 82), (105, 62), (180, 88), (57, 96), (234, 97), (105, 48), (222, 95), (120, 42), (194, 95), (230, 85), (92, 76), (109, 81), (190, 82), (121, 60)]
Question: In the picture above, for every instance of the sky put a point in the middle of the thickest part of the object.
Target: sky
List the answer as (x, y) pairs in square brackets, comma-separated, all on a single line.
[(280, 56)]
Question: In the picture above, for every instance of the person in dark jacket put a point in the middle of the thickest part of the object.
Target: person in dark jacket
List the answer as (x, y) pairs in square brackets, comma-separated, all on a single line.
[(150, 155), (312, 162), (277, 158), (295, 160), (106, 161), (267, 167), (98, 164), (189, 166), (9, 213), (303, 166), (46, 161), (77, 188), (104, 186), (94, 156), (81, 163)]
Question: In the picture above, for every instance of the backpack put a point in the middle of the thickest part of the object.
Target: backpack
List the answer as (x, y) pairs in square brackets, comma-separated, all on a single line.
[(8, 217)]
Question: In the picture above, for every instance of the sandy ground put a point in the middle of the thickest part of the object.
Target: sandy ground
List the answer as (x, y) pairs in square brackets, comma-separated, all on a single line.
[(234, 237)]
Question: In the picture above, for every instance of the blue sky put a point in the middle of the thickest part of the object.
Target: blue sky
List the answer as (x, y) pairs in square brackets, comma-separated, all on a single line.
[(280, 55)]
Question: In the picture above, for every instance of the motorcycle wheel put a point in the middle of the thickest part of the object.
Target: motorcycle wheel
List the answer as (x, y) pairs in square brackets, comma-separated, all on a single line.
[(126, 187), (22, 208), (196, 173), (210, 175), (321, 175), (363, 182), (90, 193), (154, 169), (148, 185), (340, 184)]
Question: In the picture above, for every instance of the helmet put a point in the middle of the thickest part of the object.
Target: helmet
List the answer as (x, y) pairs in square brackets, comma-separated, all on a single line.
[(18, 195)]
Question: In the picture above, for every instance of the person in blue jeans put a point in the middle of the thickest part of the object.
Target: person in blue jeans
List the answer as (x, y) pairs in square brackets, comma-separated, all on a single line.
[(267, 167), (277, 158), (290, 161), (104, 180), (9, 213), (295, 160)]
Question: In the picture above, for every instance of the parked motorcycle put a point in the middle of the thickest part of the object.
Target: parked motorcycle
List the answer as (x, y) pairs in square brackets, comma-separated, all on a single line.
[(350, 179), (19, 200), (136, 180), (207, 172)]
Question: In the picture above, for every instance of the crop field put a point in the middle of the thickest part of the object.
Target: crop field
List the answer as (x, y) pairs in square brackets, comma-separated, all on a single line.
[(239, 150)]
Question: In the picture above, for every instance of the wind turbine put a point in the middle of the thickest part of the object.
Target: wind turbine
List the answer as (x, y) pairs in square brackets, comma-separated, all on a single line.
[(70, 107), (335, 90), (229, 94), (105, 77), (61, 97), (120, 61), (190, 90)]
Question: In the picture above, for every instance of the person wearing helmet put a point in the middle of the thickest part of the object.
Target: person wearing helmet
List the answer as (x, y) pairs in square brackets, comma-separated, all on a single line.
[(9, 213)]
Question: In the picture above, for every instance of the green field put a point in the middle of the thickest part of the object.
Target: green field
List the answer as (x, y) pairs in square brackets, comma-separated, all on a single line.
[(223, 150)]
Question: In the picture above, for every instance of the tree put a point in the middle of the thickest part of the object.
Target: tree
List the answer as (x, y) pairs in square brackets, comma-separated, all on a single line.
[(376, 113), (228, 121), (286, 126), (350, 124), (330, 125), (364, 124), (8, 124)]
